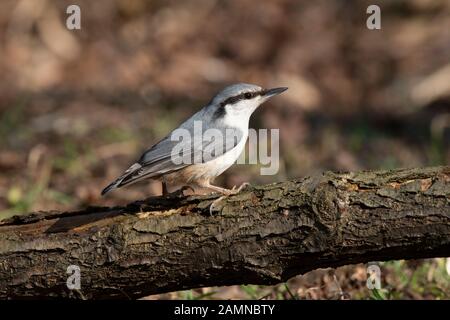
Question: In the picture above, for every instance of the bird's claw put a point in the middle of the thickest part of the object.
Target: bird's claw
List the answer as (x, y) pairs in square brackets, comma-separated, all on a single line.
[(240, 188), (214, 203), (234, 190)]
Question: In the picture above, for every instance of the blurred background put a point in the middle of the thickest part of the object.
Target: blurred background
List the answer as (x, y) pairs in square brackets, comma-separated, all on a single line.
[(77, 107)]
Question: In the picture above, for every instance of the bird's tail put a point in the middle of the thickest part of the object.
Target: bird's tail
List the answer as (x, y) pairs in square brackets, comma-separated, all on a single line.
[(120, 180), (111, 186)]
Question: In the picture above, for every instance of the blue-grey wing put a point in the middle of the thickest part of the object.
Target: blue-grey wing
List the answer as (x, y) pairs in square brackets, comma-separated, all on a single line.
[(171, 154), (176, 152)]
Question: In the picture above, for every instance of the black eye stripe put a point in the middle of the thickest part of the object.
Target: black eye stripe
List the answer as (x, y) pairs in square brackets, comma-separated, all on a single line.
[(242, 96)]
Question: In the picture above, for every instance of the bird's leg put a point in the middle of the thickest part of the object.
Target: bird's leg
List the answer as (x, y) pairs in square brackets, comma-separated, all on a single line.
[(240, 188), (164, 188), (207, 185), (218, 189), (225, 192)]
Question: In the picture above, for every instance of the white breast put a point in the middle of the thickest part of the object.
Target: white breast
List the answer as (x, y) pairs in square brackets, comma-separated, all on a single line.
[(197, 174), (220, 164), (215, 167), (223, 162)]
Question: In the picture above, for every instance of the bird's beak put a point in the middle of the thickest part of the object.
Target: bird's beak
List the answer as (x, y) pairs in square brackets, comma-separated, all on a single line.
[(274, 91)]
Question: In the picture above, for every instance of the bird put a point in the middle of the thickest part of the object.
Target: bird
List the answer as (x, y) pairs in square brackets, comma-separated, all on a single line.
[(228, 113)]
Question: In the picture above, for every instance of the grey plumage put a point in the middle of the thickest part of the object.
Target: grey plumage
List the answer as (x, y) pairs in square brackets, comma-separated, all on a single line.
[(159, 160)]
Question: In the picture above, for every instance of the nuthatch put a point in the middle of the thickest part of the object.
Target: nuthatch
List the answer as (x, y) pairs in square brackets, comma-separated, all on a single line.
[(228, 113)]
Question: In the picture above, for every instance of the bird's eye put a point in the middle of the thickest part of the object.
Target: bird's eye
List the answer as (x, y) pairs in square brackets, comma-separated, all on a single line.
[(248, 95)]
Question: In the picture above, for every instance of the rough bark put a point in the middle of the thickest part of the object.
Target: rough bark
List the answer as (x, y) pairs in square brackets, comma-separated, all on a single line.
[(263, 235)]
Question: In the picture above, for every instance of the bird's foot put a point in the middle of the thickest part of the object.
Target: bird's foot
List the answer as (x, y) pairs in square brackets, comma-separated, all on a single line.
[(240, 188), (227, 193), (213, 204)]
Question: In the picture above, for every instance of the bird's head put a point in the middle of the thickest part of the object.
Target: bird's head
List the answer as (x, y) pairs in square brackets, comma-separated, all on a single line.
[(240, 100)]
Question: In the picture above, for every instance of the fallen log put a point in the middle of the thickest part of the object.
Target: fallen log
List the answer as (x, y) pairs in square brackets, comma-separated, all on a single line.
[(263, 235)]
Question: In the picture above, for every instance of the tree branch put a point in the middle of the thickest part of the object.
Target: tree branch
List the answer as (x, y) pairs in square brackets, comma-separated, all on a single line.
[(263, 235)]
